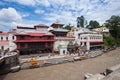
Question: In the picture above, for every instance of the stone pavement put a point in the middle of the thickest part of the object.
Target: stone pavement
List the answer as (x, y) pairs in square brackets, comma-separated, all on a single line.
[(56, 59), (51, 60), (42, 58)]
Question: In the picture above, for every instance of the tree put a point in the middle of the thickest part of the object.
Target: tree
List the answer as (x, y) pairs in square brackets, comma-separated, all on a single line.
[(114, 25), (109, 41), (80, 21), (93, 24), (68, 27)]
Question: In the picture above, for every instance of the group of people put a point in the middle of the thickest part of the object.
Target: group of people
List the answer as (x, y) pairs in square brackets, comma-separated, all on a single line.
[(79, 52)]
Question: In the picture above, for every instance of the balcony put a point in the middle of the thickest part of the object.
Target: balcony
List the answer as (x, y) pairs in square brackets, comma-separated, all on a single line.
[(35, 40), (64, 38)]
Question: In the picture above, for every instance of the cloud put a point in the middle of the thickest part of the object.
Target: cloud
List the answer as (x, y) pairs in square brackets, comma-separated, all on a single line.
[(9, 15), (42, 2), (104, 11), (39, 11), (1, 3), (66, 11), (26, 2), (23, 2), (31, 2)]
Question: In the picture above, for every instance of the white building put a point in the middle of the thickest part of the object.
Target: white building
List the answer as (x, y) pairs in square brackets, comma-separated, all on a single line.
[(89, 39), (103, 30), (6, 41)]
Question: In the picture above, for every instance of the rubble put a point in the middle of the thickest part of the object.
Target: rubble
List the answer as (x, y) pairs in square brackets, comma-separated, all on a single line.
[(95, 53)]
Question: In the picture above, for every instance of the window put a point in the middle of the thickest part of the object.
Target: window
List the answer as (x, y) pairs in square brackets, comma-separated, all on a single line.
[(85, 43), (32, 37), (49, 37), (22, 45), (22, 37), (7, 38), (85, 38), (81, 38), (1, 38), (49, 44), (2, 47), (13, 37)]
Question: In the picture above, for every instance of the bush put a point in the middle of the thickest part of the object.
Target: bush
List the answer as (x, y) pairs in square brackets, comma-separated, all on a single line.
[(109, 41)]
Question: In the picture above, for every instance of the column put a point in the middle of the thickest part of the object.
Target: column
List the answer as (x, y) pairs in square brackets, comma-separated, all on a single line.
[(26, 45), (88, 43)]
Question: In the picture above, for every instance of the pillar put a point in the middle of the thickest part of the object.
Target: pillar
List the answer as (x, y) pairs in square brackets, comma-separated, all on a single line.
[(26, 45), (88, 43), (46, 44), (18, 45), (52, 51)]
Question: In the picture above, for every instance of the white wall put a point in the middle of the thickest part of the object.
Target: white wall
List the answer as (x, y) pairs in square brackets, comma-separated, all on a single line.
[(25, 30), (42, 30), (63, 46), (10, 44)]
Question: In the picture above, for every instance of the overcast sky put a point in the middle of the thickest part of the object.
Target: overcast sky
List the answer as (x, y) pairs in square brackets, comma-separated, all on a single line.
[(32, 12)]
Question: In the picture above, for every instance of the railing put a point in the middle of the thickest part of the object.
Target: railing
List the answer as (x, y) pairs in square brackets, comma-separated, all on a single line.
[(65, 38), (91, 40)]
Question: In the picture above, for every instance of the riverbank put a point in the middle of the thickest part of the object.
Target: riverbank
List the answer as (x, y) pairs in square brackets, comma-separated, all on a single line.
[(68, 71)]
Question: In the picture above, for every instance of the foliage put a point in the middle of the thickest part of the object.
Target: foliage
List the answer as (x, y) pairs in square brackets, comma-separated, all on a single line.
[(68, 27), (109, 41), (114, 25), (80, 21), (93, 24), (0, 50)]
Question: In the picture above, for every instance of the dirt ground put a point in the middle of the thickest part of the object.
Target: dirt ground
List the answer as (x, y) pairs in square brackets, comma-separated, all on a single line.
[(68, 71)]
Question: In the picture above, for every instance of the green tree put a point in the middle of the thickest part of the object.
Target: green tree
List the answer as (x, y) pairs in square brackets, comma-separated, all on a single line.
[(114, 25), (80, 21), (68, 27), (109, 41), (93, 24)]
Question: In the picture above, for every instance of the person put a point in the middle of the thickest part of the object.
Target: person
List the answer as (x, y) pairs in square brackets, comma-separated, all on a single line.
[(2, 53), (49, 55), (68, 53), (79, 52)]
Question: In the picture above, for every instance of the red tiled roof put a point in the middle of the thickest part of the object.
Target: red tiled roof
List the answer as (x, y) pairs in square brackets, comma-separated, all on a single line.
[(36, 34), (4, 42), (57, 23)]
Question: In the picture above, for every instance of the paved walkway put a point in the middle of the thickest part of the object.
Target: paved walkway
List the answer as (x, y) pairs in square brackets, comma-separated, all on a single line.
[(42, 58)]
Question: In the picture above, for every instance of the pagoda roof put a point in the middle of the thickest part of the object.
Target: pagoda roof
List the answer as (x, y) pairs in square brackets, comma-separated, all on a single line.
[(57, 23), (60, 30)]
